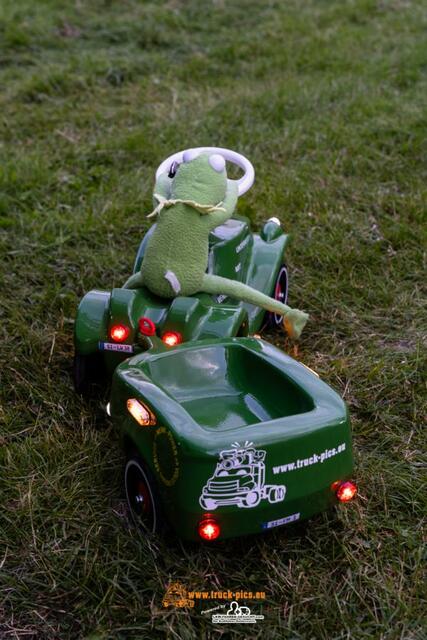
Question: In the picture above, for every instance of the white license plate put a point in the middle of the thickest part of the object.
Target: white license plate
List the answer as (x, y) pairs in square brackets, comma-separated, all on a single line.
[(280, 521), (112, 346)]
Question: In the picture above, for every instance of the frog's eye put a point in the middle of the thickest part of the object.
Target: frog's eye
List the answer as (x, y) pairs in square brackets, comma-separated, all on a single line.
[(190, 154), (217, 162), (173, 169)]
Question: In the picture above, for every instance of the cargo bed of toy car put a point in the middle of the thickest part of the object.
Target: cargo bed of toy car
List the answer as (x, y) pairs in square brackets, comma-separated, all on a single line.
[(236, 394)]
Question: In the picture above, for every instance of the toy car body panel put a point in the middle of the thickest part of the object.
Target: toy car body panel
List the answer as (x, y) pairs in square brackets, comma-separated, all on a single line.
[(240, 427), (91, 321), (235, 252)]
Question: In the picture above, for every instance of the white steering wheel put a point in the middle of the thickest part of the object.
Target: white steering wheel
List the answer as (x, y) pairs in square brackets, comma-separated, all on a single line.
[(243, 184)]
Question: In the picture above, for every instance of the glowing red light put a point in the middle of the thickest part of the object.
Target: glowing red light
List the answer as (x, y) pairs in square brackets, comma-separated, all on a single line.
[(146, 326), (119, 332), (209, 529), (346, 491), (171, 338)]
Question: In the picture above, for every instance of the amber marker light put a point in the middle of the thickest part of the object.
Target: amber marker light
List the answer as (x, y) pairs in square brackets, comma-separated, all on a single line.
[(209, 529), (346, 491), (141, 413), (172, 338)]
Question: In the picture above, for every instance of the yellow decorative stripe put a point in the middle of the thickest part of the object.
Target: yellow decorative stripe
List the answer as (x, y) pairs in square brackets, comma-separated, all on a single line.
[(168, 481)]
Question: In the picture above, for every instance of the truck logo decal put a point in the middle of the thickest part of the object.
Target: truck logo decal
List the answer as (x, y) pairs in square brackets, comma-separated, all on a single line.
[(239, 479)]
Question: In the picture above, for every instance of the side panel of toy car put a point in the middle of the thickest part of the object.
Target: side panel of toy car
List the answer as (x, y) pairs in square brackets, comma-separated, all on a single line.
[(266, 261), (230, 252), (91, 321)]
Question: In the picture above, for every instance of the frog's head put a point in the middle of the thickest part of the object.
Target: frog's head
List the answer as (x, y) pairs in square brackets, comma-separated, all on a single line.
[(200, 177)]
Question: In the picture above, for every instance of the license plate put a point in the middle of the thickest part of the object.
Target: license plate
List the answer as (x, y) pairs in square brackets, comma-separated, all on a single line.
[(280, 521), (112, 346)]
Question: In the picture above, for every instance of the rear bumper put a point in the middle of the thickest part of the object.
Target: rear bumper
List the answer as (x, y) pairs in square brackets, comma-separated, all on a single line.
[(236, 522)]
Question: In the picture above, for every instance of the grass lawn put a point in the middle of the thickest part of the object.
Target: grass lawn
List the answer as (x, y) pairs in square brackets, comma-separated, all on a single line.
[(328, 100)]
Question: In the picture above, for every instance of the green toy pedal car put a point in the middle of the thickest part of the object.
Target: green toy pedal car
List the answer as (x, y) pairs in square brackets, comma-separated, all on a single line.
[(225, 435)]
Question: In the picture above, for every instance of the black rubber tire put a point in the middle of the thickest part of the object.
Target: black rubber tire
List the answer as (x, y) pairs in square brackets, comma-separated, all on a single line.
[(141, 495), (87, 370), (281, 290)]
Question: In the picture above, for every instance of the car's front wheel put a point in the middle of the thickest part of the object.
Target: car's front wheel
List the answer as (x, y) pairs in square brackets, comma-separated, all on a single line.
[(141, 495)]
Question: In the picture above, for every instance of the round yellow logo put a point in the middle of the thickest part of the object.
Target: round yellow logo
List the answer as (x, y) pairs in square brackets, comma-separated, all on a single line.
[(165, 456)]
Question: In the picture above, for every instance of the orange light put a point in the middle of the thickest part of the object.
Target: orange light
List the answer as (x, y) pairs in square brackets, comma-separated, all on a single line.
[(346, 491), (119, 332), (141, 413), (209, 529), (171, 338)]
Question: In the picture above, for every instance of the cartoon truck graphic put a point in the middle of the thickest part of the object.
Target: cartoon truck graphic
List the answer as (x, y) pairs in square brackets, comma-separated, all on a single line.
[(239, 479)]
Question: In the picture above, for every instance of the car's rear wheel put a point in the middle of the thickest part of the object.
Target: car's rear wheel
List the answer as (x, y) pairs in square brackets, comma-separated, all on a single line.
[(281, 288), (87, 369), (141, 495)]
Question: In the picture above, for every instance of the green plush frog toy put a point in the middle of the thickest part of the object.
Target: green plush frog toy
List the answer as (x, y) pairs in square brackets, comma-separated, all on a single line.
[(191, 199)]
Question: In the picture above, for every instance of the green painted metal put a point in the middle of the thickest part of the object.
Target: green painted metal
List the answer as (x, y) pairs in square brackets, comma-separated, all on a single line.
[(91, 321), (241, 395), (243, 431)]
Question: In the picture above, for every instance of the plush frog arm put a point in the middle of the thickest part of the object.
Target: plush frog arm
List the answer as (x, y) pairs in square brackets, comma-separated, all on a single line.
[(229, 204), (294, 319)]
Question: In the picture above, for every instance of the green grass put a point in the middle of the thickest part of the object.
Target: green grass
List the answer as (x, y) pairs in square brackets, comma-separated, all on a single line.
[(328, 99)]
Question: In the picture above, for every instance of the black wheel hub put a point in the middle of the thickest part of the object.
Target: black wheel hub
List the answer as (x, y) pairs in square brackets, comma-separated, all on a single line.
[(139, 496), (281, 293)]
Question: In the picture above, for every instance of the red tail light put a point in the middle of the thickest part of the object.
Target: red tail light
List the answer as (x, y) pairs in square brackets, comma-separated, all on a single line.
[(172, 338), (119, 332), (346, 491), (209, 529)]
